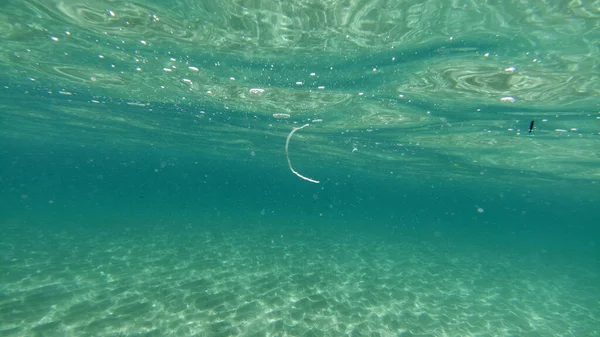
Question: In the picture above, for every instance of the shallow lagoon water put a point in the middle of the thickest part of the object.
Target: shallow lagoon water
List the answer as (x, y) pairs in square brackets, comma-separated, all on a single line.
[(145, 189)]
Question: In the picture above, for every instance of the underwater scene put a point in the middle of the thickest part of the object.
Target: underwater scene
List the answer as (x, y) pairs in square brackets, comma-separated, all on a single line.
[(299, 168)]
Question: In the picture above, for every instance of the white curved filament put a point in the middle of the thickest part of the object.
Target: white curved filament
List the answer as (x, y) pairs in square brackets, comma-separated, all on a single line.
[(287, 156)]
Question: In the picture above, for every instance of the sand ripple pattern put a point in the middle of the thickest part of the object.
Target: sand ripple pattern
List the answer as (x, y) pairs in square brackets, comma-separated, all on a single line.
[(217, 282)]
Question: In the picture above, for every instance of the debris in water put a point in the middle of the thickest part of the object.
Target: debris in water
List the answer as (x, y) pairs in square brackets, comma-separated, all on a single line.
[(287, 156)]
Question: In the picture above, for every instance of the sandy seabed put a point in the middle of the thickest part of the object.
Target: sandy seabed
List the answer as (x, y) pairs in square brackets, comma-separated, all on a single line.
[(275, 283)]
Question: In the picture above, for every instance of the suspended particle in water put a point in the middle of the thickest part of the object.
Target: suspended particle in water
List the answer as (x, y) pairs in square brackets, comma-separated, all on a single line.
[(287, 155), (479, 210)]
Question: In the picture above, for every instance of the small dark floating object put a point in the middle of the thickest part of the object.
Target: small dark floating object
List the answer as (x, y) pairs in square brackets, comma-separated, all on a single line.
[(531, 126)]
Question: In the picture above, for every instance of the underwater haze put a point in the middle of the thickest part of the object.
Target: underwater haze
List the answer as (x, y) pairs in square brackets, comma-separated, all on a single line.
[(299, 168)]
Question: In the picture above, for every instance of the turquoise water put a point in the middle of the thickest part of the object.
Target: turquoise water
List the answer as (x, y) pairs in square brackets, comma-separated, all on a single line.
[(145, 187)]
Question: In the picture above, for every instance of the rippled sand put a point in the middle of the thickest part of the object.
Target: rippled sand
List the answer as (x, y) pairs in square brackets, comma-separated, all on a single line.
[(271, 283)]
